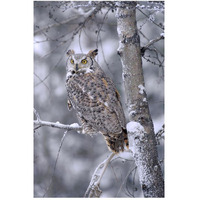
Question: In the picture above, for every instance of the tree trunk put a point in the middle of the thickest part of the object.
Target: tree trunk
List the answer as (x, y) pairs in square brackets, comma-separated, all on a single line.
[(140, 127)]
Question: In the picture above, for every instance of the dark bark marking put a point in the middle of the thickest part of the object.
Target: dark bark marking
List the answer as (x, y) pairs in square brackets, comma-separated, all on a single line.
[(135, 39)]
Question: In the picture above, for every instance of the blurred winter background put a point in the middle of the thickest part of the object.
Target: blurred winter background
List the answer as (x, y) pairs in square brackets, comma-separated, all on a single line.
[(59, 26)]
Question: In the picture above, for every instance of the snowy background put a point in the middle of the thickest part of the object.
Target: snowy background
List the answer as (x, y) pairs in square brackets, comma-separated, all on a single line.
[(54, 26)]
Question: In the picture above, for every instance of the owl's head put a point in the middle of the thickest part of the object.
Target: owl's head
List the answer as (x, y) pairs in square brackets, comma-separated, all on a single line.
[(80, 62)]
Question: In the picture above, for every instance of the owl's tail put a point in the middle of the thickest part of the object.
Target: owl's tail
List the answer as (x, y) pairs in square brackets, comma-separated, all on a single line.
[(116, 142)]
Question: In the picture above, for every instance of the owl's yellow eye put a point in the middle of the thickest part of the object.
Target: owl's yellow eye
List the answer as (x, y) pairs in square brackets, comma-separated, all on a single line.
[(84, 61), (72, 61)]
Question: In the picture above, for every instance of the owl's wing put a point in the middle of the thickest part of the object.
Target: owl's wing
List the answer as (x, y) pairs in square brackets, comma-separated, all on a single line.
[(120, 112), (114, 103)]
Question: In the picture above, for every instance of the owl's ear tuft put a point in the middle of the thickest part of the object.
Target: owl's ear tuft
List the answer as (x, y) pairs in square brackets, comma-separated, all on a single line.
[(70, 52), (93, 53)]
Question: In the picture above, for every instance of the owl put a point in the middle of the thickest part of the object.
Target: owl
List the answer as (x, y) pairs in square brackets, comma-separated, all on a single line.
[(96, 101)]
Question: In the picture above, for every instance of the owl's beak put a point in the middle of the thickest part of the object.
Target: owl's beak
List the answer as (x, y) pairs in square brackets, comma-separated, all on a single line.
[(76, 67)]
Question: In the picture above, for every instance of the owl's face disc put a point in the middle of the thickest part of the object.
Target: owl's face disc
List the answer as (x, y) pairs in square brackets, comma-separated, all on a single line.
[(79, 62)]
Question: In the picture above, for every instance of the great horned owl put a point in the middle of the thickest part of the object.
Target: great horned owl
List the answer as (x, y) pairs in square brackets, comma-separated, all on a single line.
[(94, 97)]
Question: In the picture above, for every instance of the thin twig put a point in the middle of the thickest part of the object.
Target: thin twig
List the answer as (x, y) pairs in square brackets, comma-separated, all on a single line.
[(151, 42), (151, 19), (51, 70), (55, 48), (79, 40), (101, 26), (56, 24), (125, 179), (43, 82), (54, 169), (160, 64), (133, 184)]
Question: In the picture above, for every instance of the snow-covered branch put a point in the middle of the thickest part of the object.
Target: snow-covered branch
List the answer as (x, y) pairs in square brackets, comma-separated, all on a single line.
[(39, 123), (93, 189)]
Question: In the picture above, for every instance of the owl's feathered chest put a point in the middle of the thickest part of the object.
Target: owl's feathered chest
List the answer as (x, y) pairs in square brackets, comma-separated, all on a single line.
[(95, 99), (87, 87)]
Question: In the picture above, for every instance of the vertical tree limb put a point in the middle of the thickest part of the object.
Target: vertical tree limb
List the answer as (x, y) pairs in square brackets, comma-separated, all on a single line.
[(140, 129)]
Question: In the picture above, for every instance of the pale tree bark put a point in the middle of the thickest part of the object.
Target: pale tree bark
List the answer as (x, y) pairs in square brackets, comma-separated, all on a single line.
[(140, 127)]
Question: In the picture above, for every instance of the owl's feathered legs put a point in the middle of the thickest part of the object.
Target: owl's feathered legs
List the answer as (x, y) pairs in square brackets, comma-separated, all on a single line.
[(115, 142)]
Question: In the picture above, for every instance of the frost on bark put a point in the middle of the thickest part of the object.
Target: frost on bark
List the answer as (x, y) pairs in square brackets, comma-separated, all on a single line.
[(140, 127)]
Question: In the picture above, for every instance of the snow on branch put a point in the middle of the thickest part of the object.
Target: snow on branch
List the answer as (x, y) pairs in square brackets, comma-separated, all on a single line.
[(134, 127), (74, 126), (39, 123), (136, 131), (93, 189), (151, 5)]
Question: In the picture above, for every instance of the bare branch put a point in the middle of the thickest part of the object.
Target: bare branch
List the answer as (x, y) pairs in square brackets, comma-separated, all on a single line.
[(93, 189), (56, 24), (158, 25), (151, 42)]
